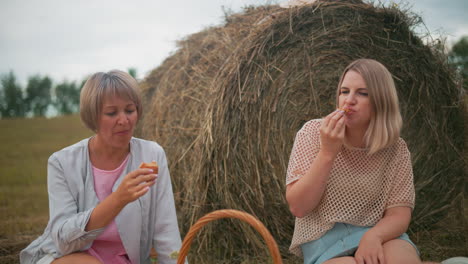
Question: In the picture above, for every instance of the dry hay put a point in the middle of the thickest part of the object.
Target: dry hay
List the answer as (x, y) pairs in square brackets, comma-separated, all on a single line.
[(227, 104)]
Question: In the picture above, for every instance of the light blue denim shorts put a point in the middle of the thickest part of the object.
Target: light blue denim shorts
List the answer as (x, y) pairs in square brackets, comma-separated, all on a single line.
[(342, 240)]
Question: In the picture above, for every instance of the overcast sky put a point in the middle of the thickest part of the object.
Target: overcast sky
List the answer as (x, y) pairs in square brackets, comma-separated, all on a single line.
[(71, 39)]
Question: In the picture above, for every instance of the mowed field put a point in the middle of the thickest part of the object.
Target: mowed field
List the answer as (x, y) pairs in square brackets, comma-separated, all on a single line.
[(25, 146)]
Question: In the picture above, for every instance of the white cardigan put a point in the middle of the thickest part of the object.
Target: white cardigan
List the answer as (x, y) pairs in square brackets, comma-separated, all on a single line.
[(148, 221)]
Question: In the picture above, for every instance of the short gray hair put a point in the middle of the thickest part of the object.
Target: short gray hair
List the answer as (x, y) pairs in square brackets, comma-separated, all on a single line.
[(99, 86)]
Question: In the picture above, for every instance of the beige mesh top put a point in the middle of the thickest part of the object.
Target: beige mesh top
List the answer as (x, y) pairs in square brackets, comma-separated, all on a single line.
[(359, 189)]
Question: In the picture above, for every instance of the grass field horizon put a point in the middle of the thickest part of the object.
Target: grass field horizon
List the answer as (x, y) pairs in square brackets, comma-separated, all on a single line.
[(26, 145)]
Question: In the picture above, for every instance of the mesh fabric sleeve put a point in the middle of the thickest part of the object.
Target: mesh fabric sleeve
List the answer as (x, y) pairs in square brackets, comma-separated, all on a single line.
[(305, 149), (402, 191)]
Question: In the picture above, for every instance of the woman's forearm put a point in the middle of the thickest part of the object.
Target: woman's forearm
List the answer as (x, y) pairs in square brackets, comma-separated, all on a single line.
[(305, 194), (134, 185), (105, 212), (394, 223)]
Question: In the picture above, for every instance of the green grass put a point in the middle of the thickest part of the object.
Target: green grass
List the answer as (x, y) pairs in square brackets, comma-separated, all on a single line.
[(25, 146)]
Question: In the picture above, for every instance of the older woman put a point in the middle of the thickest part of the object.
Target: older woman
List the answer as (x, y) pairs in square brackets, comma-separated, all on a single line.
[(103, 207), (350, 180)]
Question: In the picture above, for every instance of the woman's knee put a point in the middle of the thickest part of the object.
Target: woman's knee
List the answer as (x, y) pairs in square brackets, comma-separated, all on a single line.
[(77, 258), (400, 251), (342, 260)]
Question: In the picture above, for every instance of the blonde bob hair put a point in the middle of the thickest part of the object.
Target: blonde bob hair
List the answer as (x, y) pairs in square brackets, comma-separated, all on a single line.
[(102, 85), (385, 124)]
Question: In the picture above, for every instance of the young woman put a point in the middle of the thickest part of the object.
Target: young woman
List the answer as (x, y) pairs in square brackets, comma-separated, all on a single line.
[(350, 180), (103, 207)]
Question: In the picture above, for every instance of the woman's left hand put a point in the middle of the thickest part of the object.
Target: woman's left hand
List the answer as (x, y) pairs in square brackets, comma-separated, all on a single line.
[(370, 250)]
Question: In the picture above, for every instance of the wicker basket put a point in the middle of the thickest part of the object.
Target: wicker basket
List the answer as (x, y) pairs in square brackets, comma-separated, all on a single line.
[(254, 222)]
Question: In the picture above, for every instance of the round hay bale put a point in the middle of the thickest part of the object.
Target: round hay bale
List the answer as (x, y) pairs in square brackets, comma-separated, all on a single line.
[(227, 105)]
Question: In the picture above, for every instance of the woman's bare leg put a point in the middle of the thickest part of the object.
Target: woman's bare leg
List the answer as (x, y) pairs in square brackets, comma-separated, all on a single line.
[(342, 260), (400, 251), (395, 251), (77, 258)]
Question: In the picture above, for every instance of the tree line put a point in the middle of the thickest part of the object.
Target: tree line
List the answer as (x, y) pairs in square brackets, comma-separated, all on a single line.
[(39, 96), (458, 57)]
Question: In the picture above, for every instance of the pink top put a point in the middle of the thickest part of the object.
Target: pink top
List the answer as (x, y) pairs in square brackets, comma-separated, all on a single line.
[(108, 247)]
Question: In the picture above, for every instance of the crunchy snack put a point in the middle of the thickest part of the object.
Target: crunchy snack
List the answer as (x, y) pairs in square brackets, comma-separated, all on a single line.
[(346, 110), (150, 165)]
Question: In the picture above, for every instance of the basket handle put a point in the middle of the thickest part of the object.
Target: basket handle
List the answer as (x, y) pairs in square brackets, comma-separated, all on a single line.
[(229, 213)]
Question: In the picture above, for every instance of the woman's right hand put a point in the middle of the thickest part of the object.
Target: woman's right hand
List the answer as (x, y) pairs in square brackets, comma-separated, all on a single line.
[(332, 133), (135, 184)]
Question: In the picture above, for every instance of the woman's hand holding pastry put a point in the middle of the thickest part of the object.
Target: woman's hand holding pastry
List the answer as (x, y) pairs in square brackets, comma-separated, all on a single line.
[(135, 184), (332, 132)]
